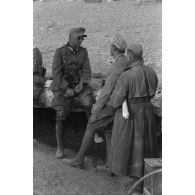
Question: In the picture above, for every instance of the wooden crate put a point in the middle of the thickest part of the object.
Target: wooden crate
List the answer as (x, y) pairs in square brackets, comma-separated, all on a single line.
[(153, 184)]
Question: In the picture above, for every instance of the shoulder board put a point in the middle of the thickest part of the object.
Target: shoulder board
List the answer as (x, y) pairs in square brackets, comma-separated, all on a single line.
[(62, 49), (63, 46)]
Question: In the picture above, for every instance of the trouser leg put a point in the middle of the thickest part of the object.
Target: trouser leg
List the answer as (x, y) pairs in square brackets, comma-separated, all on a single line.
[(78, 161), (88, 139), (87, 142), (108, 134), (103, 119), (59, 134), (85, 100)]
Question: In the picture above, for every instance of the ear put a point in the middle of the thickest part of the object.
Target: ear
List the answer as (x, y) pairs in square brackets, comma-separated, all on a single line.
[(129, 53)]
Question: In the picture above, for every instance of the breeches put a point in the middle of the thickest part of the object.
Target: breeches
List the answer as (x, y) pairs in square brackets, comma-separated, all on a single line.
[(103, 121), (64, 105)]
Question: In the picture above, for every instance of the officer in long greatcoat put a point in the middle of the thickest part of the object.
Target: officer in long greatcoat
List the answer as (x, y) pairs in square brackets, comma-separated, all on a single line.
[(133, 139), (71, 73), (102, 115)]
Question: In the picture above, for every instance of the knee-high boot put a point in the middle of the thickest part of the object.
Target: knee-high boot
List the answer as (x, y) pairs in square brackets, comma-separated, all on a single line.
[(78, 161), (60, 138)]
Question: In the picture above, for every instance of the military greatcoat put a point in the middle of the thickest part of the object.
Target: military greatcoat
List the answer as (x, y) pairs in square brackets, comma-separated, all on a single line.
[(133, 139), (102, 114)]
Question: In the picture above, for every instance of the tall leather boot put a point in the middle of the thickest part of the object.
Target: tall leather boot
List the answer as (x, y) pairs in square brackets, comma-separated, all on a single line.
[(60, 138), (78, 161)]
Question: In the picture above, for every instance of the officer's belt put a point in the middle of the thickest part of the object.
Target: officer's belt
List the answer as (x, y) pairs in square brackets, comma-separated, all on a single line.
[(139, 100)]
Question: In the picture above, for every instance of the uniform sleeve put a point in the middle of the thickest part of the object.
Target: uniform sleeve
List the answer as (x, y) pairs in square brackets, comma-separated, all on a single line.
[(112, 80), (86, 70), (59, 83), (120, 93), (153, 81), (109, 86)]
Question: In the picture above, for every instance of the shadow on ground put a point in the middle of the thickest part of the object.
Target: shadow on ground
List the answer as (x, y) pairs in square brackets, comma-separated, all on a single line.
[(74, 128)]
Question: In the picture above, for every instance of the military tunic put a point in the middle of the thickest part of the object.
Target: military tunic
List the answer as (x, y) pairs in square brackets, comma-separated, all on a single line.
[(103, 115), (133, 139), (68, 69)]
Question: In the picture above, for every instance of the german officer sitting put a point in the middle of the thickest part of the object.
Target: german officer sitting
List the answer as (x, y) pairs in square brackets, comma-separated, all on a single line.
[(71, 73)]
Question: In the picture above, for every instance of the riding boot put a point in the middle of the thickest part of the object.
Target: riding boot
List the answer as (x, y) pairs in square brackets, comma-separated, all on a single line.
[(60, 138), (78, 161)]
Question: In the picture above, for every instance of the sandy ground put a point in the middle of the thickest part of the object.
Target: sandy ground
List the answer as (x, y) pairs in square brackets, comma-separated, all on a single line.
[(54, 177), (52, 21)]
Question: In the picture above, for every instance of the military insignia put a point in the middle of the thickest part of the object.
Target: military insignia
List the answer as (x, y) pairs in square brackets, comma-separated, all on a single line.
[(71, 49)]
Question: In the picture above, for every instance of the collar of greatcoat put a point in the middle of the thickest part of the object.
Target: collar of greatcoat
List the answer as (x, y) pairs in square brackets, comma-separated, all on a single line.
[(117, 58), (134, 64)]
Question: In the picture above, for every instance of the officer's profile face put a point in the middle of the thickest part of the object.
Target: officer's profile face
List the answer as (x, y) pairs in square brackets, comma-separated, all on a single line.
[(75, 40)]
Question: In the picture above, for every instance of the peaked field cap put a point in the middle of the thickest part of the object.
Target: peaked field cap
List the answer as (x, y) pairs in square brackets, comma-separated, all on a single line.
[(79, 31), (118, 41), (135, 49)]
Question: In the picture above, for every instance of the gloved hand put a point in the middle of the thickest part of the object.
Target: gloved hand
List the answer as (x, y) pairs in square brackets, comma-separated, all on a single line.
[(69, 92), (78, 88)]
